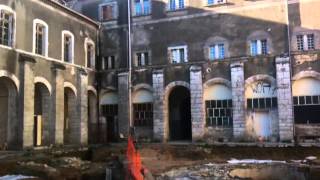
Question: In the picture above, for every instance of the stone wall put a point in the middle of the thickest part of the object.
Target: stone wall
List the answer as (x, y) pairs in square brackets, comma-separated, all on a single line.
[(285, 105), (238, 99)]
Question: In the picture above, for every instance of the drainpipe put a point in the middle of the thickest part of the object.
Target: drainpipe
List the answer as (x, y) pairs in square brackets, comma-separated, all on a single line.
[(130, 66)]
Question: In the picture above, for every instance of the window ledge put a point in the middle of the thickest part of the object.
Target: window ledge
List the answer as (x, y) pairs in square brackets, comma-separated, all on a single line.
[(111, 21), (311, 51), (6, 47), (215, 5), (141, 18), (177, 12)]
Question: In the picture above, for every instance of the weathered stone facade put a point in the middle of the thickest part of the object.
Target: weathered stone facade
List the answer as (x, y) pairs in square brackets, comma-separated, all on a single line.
[(35, 84), (248, 91), (239, 77)]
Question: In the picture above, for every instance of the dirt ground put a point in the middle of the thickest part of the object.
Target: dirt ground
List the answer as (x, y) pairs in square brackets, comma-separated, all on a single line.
[(91, 163)]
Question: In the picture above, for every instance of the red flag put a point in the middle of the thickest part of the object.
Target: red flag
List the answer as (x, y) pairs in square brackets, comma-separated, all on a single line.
[(134, 161)]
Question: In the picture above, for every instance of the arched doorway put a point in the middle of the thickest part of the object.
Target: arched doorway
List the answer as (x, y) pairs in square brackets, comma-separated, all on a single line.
[(9, 125), (109, 127), (92, 118), (262, 122), (180, 114), (43, 127), (71, 125), (143, 113)]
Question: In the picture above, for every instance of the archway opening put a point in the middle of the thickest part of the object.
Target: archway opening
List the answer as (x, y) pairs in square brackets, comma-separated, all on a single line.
[(43, 127), (9, 125), (71, 129), (92, 118), (143, 113), (180, 114), (262, 110), (109, 127), (306, 94)]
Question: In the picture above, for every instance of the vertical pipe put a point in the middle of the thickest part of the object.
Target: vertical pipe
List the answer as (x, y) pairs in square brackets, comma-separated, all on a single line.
[(130, 65)]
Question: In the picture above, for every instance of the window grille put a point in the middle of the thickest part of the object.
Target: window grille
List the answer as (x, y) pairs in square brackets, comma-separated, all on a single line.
[(143, 114), (219, 113)]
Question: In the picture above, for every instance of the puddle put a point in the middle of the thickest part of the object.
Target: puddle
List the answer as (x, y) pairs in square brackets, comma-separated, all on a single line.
[(275, 172), (15, 177), (244, 171)]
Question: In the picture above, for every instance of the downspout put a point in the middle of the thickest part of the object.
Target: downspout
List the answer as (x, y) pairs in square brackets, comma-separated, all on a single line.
[(130, 67)]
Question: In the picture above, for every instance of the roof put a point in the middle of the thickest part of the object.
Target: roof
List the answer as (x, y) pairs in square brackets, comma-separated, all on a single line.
[(72, 12)]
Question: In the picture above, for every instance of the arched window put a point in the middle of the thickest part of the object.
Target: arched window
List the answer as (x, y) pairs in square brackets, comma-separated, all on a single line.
[(7, 26), (218, 103), (67, 47), (143, 108), (90, 53), (40, 37)]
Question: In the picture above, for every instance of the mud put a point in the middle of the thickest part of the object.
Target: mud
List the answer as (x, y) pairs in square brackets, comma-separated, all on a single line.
[(91, 163)]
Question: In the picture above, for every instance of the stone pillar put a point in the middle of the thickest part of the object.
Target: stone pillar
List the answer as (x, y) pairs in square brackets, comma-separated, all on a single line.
[(123, 106), (238, 99), (196, 93), (158, 98), (27, 100), (284, 94), (82, 106), (58, 103)]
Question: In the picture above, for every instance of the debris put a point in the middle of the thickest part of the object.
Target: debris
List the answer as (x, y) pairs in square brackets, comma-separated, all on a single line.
[(253, 161), (15, 177), (311, 158)]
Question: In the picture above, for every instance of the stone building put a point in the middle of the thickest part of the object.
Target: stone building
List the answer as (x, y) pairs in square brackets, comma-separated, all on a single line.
[(210, 70), (47, 74)]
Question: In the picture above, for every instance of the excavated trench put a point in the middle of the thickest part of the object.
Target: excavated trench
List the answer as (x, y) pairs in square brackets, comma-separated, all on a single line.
[(165, 161)]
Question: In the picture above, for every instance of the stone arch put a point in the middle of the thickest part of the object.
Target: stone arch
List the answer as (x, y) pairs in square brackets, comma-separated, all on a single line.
[(168, 90), (10, 133), (93, 90), (306, 84), (106, 90), (44, 126), (4, 73), (214, 81), (171, 85), (44, 81), (71, 119), (142, 93), (250, 83), (306, 74), (220, 89), (70, 86), (108, 97), (143, 86)]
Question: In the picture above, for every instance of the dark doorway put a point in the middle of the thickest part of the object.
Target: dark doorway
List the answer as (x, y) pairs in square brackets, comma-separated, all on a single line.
[(110, 112), (180, 114)]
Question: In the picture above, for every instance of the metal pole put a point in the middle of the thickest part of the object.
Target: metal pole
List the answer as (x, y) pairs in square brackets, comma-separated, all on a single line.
[(130, 65)]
